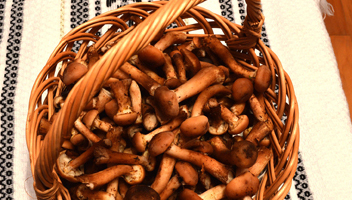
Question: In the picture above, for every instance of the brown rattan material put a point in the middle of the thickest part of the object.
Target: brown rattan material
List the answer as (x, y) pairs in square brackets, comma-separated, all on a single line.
[(44, 150)]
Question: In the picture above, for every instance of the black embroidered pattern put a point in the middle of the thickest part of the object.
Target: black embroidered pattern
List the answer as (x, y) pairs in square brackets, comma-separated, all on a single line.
[(79, 15), (301, 181), (113, 4), (2, 16), (7, 100), (227, 9), (97, 9)]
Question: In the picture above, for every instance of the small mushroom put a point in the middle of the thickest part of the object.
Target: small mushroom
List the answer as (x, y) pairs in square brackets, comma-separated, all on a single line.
[(259, 131), (140, 141), (171, 76), (188, 174), (103, 177), (144, 192), (242, 89), (136, 101), (98, 102), (199, 146), (217, 192), (258, 110), (125, 115), (188, 194), (92, 121), (166, 168), (106, 156), (191, 61), (134, 60), (149, 117), (173, 184), (74, 71), (177, 58), (236, 124), (243, 185), (262, 79), (225, 55), (242, 154)]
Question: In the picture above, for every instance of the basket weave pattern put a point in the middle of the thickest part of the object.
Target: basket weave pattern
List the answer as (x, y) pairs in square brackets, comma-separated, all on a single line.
[(44, 150)]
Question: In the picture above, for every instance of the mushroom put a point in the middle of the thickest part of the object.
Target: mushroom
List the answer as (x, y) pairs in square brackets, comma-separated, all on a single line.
[(188, 174), (242, 154), (140, 141), (136, 101), (215, 168), (92, 121), (125, 115), (103, 177), (238, 108), (242, 89), (85, 130), (144, 192), (70, 166), (243, 185), (168, 100), (149, 117), (177, 58), (98, 102), (199, 146), (83, 192), (105, 156), (173, 184), (225, 55), (217, 125), (264, 156), (166, 168), (191, 61), (152, 55), (198, 124), (214, 193), (44, 126), (171, 76), (258, 110), (134, 60), (236, 124), (259, 131), (262, 79), (74, 71)]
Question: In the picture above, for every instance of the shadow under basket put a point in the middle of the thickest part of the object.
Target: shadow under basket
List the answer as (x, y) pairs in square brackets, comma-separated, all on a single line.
[(128, 30)]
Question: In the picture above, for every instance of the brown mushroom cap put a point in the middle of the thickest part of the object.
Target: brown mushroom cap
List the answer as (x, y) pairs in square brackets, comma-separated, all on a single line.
[(160, 143), (195, 126), (191, 61), (243, 154), (73, 72), (187, 172), (243, 185), (167, 101), (89, 117), (138, 192), (262, 79), (242, 89), (135, 177), (151, 56)]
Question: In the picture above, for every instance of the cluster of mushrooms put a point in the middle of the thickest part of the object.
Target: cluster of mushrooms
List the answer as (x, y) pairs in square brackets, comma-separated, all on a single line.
[(182, 119)]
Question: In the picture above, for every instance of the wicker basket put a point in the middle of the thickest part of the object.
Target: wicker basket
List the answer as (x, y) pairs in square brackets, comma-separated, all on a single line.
[(45, 149)]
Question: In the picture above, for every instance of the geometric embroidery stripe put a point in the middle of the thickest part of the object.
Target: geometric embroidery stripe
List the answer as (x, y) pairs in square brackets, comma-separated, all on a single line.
[(97, 8), (113, 4), (7, 100), (301, 181), (227, 10), (79, 15), (2, 16)]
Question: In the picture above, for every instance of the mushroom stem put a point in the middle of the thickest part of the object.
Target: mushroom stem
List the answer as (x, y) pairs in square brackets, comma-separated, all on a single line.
[(98, 103), (149, 117), (136, 101), (134, 60), (225, 55), (259, 131), (101, 178), (177, 58), (83, 192), (171, 186), (140, 141), (215, 168), (105, 156), (257, 109), (170, 73), (172, 37), (264, 156), (143, 79), (243, 185), (164, 174), (236, 124), (215, 193)]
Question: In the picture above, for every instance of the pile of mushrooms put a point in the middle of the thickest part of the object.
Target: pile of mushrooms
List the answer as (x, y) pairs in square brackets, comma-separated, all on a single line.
[(182, 119)]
